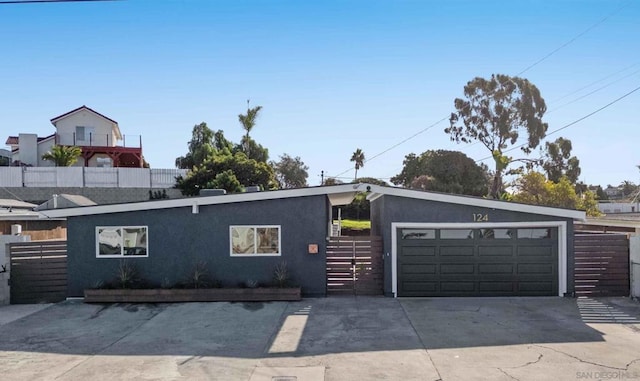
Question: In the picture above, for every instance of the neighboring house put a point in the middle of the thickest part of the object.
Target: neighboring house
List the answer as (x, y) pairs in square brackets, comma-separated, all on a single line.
[(613, 192), (5, 157), (19, 218), (98, 136), (61, 201), (433, 244)]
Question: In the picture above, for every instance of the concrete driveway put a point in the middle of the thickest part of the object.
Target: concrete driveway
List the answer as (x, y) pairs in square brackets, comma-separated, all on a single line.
[(328, 339)]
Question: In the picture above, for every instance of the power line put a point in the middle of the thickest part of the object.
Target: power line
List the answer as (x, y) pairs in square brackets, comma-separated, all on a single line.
[(397, 144), (574, 38), (574, 122), (594, 91), (520, 73)]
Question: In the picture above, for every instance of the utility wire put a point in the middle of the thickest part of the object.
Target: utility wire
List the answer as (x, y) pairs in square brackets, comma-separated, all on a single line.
[(574, 38), (572, 123), (520, 73)]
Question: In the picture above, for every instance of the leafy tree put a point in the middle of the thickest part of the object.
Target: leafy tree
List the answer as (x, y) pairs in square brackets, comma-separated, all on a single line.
[(358, 159), (332, 181), (291, 172), (443, 171), (226, 180), (248, 122), (371, 180), (63, 156), (201, 147), (628, 188), (496, 112), (558, 161), (534, 188), (245, 171)]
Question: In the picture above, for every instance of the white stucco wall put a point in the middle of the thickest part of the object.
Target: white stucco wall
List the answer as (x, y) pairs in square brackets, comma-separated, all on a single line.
[(28, 146), (43, 148), (102, 128)]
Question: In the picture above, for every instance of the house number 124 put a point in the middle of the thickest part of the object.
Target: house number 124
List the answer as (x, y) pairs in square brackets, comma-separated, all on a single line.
[(479, 217)]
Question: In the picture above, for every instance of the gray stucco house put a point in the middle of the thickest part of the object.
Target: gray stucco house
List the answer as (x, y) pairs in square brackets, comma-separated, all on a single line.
[(433, 244)]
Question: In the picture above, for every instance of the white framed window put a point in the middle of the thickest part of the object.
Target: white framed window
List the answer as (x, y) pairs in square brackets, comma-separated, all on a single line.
[(122, 241), (254, 240)]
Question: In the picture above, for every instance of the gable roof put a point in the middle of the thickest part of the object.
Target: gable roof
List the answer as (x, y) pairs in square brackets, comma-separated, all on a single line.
[(377, 191), (65, 201), (11, 203), (83, 107), (15, 140), (337, 194)]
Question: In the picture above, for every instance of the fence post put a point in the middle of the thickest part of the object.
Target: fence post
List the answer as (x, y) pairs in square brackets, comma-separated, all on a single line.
[(634, 265)]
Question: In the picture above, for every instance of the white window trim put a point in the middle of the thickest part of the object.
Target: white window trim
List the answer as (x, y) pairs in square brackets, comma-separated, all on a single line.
[(255, 237), (121, 256), (562, 243)]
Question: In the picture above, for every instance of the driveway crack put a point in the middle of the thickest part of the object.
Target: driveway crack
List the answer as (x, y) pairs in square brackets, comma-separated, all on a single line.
[(589, 362), (507, 374), (406, 315)]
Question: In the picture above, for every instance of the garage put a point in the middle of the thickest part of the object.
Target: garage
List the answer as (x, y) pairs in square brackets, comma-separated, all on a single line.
[(504, 261), (439, 245)]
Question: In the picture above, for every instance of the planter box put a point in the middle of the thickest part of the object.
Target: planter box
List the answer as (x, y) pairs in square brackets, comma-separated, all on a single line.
[(191, 295)]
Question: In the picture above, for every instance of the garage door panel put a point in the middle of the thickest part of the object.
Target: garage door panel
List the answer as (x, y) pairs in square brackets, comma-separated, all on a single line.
[(536, 268), (535, 251), (418, 251), (495, 251), (493, 286), (478, 266), (457, 269), (418, 269), (420, 286), (503, 268), (456, 251), (536, 286), (457, 286)]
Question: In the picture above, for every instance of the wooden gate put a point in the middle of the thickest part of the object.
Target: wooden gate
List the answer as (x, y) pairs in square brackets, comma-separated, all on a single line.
[(601, 264), (38, 271), (354, 266)]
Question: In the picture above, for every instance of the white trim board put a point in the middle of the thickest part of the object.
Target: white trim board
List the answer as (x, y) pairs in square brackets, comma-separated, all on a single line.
[(190, 202), (475, 201), (346, 192), (562, 243)]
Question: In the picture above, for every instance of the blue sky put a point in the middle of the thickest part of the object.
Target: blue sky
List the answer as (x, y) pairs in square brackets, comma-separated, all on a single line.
[(332, 76)]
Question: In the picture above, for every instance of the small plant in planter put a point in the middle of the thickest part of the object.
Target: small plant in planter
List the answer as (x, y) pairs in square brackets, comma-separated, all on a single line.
[(126, 275), (252, 283), (281, 275), (199, 276)]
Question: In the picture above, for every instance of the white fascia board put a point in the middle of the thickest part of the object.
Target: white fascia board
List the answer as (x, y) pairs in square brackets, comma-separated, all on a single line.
[(210, 200), (475, 201)]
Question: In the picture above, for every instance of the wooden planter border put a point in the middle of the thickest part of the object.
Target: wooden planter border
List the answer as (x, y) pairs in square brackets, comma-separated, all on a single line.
[(157, 295)]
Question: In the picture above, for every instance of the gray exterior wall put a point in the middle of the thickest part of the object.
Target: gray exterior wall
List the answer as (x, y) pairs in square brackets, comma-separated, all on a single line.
[(179, 239), (388, 209)]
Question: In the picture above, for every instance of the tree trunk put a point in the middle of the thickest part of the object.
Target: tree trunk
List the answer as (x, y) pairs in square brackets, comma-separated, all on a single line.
[(496, 186)]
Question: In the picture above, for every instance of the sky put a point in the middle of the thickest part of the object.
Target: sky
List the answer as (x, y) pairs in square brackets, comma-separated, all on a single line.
[(331, 76)]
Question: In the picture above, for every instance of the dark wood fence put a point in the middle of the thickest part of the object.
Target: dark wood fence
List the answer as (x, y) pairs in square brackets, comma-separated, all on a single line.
[(601, 264), (38, 272), (354, 266)]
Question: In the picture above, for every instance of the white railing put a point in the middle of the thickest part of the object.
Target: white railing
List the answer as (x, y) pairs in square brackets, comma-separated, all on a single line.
[(89, 177)]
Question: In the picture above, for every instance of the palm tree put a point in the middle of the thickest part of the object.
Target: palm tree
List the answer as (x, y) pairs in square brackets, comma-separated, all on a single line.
[(358, 158), (63, 156), (248, 121)]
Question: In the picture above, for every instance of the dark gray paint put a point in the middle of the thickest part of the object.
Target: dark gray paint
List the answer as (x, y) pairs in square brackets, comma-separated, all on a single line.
[(388, 209), (178, 239)]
